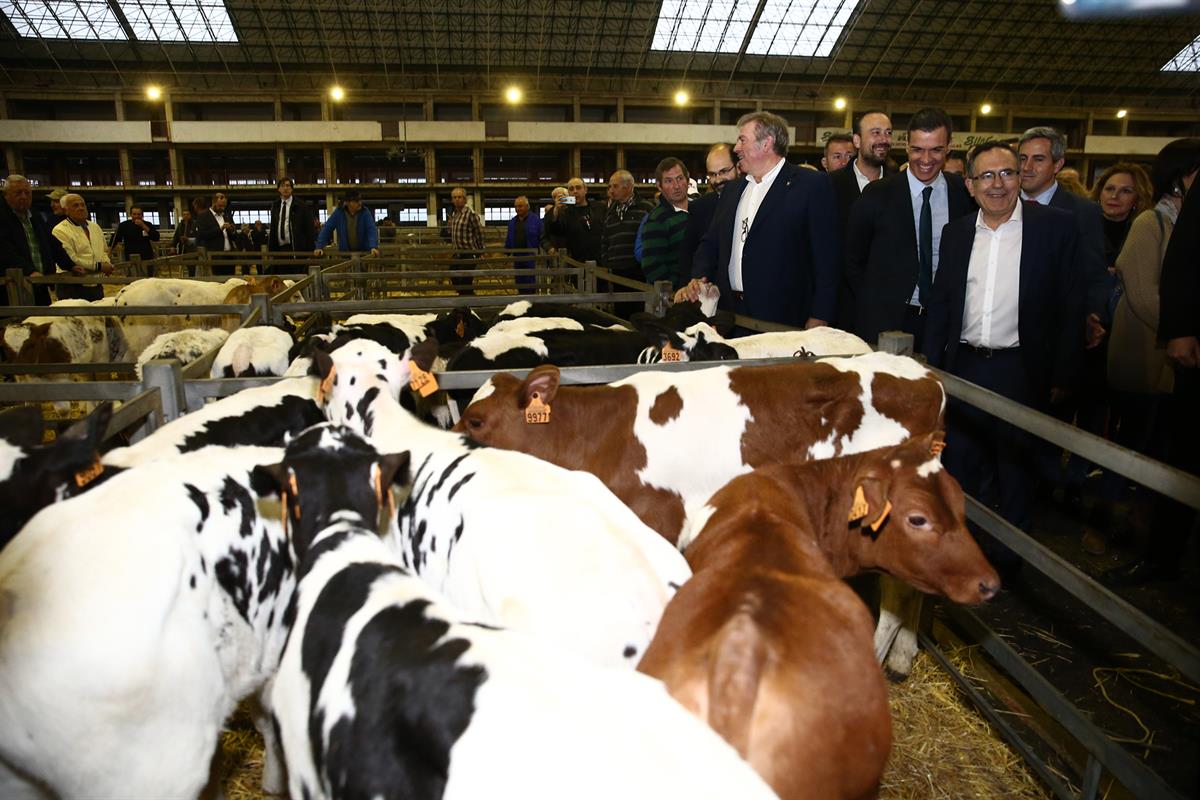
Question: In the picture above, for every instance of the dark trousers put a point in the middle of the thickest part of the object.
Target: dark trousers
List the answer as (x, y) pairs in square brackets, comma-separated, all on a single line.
[(1173, 522), (79, 291), (624, 310), (463, 261), (993, 460)]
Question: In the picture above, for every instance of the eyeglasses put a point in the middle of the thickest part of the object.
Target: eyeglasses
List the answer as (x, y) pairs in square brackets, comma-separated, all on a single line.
[(1007, 175), (721, 173), (745, 228)]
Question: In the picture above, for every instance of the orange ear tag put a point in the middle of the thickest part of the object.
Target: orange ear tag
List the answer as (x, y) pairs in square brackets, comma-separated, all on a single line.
[(421, 381), (86, 476), (887, 509), (460, 329), (937, 446), (537, 412), (859, 508), (670, 354), (326, 387)]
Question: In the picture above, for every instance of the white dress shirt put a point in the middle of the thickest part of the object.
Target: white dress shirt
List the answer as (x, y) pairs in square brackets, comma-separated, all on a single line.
[(285, 221), (221, 225), (863, 180), (990, 309), (747, 209), (939, 208), (1045, 197)]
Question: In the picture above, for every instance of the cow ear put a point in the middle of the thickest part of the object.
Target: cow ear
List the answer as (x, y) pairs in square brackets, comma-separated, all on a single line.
[(542, 381), (40, 331), (424, 352), (22, 427), (870, 506), (268, 479), (393, 468), (92, 429)]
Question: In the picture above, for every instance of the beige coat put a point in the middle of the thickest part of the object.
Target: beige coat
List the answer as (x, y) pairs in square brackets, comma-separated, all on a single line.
[(1137, 362)]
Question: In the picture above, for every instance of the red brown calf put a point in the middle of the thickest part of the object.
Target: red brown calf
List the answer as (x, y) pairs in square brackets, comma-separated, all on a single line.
[(771, 648)]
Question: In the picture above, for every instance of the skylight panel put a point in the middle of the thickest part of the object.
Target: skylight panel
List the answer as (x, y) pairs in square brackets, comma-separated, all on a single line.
[(800, 27), (179, 20), (1188, 59), (715, 26), (63, 19)]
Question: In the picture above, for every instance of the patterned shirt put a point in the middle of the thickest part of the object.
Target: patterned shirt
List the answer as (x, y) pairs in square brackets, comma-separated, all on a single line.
[(466, 229)]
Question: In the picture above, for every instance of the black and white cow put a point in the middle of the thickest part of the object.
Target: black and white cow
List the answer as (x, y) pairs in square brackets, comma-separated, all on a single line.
[(257, 351), (134, 618), (34, 475), (260, 416), (184, 346), (506, 537), (384, 691), (704, 342)]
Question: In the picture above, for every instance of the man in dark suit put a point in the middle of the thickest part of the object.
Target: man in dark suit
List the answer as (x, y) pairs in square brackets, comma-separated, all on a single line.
[(215, 231), (872, 142), (1005, 312), (25, 240), (894, 229), (769, 248), (291, 222), (137, 235), (721, 169)]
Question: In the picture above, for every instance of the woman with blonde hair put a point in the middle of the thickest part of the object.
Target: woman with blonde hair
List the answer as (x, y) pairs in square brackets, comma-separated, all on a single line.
[(1123, 191)]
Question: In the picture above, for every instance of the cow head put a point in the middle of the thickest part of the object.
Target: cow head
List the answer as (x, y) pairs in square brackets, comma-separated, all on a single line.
[(329, 474), (459, 324), (38, 475), (911, 515), (42, 348), (699, 341), (496, 417)]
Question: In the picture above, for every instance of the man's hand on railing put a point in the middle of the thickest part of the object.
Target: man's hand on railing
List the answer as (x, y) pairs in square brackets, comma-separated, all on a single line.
[(1184, 351)]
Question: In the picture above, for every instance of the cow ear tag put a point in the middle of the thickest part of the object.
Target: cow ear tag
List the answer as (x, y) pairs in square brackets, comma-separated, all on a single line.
[(537, 412), (670, 354), (461, 329), (89, 474), (421, 381), (937, 446), (887, 509), (859, 508)]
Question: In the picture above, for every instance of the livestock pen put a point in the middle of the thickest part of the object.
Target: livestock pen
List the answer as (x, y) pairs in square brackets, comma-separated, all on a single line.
[(1063, 741)]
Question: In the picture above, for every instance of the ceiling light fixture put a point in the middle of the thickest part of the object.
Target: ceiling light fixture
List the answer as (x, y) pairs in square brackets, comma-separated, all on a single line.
[(681, 98), (840, 104), (337, 94), (1122, 113), (153, 92), (513, 94), (985, 109)]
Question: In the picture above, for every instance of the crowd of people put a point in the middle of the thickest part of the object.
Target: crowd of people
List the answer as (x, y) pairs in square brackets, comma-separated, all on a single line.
[(1005, 268)]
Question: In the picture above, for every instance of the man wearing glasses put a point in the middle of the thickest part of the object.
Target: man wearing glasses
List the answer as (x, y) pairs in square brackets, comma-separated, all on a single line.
[(720, 169), (1006, 312), (892, 234), (768, 249)]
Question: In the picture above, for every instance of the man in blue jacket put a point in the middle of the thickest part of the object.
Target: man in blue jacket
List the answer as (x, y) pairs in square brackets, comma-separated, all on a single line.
[(354, 225), (524, 232)]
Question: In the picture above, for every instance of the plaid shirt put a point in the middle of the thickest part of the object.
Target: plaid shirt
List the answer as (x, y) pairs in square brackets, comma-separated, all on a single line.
[(466, 230)]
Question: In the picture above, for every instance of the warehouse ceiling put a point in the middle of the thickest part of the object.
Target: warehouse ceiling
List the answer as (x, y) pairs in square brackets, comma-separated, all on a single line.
[(919, 51)]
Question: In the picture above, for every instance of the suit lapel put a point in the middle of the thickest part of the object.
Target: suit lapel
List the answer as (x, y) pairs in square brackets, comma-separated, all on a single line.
[(774, 197), (1030, 247), (910, 229)]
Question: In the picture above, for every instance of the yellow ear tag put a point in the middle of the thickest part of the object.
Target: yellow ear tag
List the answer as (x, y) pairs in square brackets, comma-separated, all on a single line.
[(859, 508), (537, 412), (378, 487), (670, 354), (86, 476), (326, 386), (283, 503), (887, 509), (421, 381)]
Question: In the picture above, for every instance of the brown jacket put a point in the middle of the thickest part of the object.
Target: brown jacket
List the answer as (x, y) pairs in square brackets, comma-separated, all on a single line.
[(1137, 362)]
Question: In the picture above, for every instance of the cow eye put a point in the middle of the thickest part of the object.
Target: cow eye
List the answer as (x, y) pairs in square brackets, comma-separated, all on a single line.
[(917, 521), (474, 423)]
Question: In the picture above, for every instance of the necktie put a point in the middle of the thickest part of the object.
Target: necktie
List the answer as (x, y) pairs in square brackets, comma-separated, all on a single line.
[(35, 252), (925, 245), (284, 222)]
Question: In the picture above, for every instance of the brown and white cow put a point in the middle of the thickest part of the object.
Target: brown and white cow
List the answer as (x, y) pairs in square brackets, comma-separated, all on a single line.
[(664, 442), (771, 648)]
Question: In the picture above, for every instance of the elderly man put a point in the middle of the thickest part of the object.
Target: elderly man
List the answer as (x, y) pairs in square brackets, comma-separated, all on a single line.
[(839, 152), (893, 232), (768, 249), (619, 235), (664, 227), (137, 235), (25, 240), (57, 212), (578, 222), (466, 233), (524, 232), (83, 242), (1005, 312)]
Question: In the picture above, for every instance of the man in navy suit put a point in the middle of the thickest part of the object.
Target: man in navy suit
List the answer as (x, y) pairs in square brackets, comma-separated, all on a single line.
[(893, 232), (1006, 312), (770, 248)]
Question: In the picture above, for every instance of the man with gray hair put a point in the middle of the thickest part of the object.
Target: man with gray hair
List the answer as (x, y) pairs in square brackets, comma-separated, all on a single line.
[(25, 240), (1042, 152), (769, 248), (83, 241), (619, 233)]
